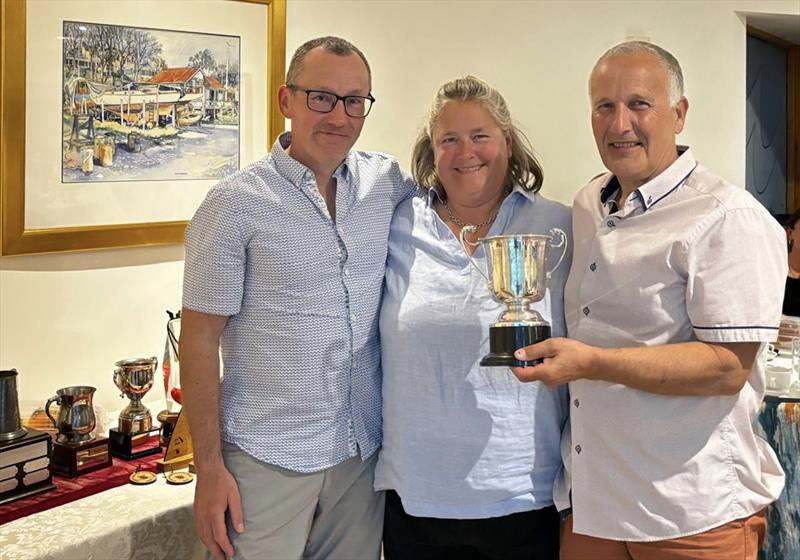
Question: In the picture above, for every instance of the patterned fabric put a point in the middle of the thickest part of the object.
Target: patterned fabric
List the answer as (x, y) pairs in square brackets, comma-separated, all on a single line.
[(690, 257), (301, 388), (494, 450), (152, 522)]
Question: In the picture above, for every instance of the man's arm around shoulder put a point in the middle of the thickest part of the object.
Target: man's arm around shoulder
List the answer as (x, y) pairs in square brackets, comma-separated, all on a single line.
[(216, 490)]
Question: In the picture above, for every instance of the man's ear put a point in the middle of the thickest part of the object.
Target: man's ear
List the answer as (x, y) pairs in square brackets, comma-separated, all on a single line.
[(285, 101), (681, 108)]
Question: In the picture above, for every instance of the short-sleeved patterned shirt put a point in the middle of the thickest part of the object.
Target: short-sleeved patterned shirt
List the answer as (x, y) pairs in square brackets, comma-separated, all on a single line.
[(301, 387)]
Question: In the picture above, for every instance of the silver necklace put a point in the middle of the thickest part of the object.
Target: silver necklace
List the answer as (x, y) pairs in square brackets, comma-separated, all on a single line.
[(459, 223)]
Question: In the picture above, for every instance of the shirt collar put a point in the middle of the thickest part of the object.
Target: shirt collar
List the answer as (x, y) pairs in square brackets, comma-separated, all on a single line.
[(658, 187), (434, 193), (294, 171)]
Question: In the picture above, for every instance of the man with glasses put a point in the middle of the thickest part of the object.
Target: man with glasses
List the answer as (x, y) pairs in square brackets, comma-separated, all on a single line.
[(284, 267)]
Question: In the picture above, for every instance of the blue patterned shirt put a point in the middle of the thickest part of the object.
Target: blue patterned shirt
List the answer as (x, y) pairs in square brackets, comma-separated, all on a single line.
[(301, 385)]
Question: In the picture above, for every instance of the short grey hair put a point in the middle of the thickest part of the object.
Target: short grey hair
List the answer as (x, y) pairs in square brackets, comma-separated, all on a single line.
[(523, 167), (333, 45), (664, 57)]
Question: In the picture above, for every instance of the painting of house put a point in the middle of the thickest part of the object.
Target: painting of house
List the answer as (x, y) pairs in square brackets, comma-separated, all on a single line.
[(219, 101), (142, 104)]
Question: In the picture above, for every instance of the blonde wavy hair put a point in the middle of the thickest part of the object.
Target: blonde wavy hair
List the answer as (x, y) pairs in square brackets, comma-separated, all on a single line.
[(523, 167)]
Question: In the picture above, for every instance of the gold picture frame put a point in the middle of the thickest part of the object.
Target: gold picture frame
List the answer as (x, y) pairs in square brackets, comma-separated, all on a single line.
[(15, 238)]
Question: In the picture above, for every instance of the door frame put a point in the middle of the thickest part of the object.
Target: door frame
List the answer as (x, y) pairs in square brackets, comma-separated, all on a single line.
[(792, 114)]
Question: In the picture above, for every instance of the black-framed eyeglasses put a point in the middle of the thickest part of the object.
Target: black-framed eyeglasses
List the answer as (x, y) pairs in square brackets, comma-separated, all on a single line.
[(320, 101)]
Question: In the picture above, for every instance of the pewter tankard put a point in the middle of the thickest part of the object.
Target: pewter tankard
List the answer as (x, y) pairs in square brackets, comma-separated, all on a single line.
[(76, 418), (10, 425), (134, 378), (517, 275)]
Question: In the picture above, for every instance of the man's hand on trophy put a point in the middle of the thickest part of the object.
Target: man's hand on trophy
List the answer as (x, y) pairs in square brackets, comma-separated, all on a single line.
[(216, 493), (565, 360)]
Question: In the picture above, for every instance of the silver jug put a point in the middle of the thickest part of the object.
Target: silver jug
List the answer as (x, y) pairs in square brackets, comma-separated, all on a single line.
[(10, 425), (76, 418)]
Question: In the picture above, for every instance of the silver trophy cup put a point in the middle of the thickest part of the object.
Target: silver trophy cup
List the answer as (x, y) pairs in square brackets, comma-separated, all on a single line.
[(134, 378), (517, 275)]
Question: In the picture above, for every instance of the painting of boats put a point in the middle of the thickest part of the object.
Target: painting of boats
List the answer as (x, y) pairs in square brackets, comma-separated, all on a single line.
[(148, 104)]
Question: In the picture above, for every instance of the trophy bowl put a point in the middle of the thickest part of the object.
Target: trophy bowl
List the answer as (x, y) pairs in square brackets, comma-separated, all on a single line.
[(517, 276), (134, 378)]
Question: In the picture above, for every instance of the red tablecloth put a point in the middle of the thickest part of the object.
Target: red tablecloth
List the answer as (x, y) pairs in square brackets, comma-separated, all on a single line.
[(71, 489)]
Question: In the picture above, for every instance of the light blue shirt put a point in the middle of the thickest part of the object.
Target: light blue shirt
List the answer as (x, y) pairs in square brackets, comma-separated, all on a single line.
[(301, 351), (461, 441)]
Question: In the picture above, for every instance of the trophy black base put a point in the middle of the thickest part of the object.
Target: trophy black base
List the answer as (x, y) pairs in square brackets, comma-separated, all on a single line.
[(74, 459), (134, 446), (25, 461), (503, 341)]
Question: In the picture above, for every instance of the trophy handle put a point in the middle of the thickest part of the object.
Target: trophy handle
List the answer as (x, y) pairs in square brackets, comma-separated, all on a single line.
[(559, 240), (50, 402), (114, 376), (462, 237)]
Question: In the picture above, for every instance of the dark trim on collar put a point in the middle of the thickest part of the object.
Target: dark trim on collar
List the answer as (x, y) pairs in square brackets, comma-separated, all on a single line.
[(669, 192), (610, 189)]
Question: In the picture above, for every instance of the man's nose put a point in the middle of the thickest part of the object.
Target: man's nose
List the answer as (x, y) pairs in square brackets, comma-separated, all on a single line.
[(338, 114), (621, 122)]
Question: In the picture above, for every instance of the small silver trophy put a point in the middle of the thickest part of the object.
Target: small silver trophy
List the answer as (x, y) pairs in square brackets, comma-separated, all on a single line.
[(134, 378), (134, 436), (517, 275)]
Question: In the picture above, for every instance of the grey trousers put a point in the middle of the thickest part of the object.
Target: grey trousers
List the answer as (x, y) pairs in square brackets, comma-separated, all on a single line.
[(332, 514)]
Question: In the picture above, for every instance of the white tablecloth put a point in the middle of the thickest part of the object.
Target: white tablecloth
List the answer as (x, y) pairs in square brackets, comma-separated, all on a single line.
[(151, 522)]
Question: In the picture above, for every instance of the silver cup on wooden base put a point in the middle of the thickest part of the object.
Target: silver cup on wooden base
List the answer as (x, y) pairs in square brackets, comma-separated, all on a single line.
[(133, 436), (517, 275), (76, 450)]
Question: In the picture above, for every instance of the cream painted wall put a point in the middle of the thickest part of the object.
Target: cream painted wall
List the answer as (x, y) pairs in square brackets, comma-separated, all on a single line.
[(65, 319)]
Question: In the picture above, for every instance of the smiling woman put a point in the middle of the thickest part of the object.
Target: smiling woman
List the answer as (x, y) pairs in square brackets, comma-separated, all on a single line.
[(481, 484), (471, 155)]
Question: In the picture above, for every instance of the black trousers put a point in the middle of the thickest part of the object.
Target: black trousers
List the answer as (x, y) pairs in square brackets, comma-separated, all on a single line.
[(530, 535)]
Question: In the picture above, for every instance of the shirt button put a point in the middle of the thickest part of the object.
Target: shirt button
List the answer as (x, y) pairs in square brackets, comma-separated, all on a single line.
[(352, 316), (347, 272), (585, 310), (610, 223), (577, 403), (593, 267), (578, 449)]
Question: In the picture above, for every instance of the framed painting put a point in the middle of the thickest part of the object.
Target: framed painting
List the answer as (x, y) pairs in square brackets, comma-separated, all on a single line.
[(113, 127)]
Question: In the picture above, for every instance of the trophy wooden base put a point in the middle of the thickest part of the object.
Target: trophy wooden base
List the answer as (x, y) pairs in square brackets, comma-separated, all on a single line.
[(74, 459), (134, 446), (503, 341), (24, 465)]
